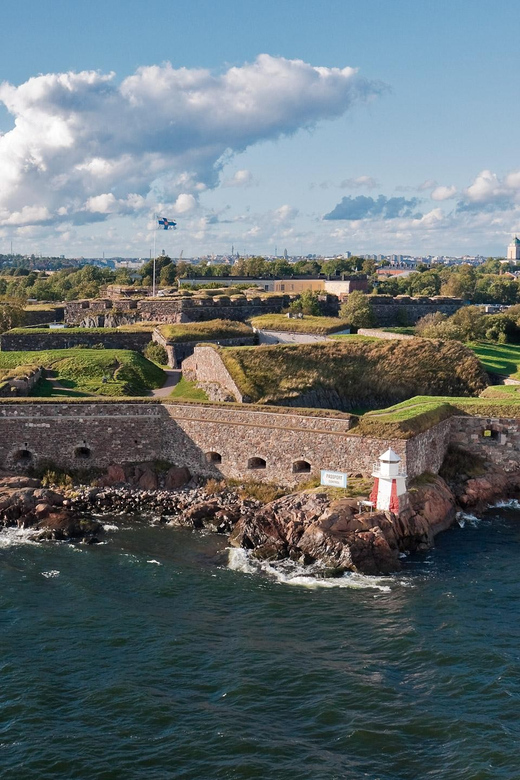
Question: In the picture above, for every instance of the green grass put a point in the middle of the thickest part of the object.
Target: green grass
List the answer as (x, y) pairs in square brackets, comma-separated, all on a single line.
[(354, 373), (128, 373), (498, 358), (211, 330), (188, 391), (405, 331), (140, 327), (318, 325), (420, 413)]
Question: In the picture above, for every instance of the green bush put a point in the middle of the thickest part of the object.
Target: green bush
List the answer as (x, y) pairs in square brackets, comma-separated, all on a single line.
[(156, 353)]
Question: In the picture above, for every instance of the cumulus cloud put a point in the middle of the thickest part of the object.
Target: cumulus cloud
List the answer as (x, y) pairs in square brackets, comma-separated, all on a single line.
[(363, 207), (488, 193), (242, 178), (443, 193), (83, 146), (358, 183)]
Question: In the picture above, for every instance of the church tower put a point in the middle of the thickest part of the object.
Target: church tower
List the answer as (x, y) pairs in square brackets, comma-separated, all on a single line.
[(513, 250)]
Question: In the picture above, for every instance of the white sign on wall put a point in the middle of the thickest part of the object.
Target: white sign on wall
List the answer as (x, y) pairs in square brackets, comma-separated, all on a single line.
[(333, 478)]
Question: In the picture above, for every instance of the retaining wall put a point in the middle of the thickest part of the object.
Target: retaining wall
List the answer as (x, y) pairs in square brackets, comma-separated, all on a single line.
[(180, 309), (207, 369), (179, 351), (64, 339), (221, 441)]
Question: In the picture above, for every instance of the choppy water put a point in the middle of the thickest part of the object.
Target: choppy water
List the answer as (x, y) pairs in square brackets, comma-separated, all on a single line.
[(149, 657)]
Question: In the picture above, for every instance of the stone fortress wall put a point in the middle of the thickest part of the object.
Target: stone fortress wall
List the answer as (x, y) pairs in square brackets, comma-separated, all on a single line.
[(405, 310), (223, 441), (388, 311), (175, 310), (65, 339)]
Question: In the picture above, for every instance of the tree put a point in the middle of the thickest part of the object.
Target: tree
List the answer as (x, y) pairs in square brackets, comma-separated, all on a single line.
[(308, 303), (357, 310), (11, 315)]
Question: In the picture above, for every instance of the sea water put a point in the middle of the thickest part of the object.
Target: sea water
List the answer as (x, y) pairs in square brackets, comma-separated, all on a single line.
[(160, 654)]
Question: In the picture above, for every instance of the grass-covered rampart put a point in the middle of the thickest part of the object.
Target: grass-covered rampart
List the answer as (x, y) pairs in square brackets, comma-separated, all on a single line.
[(321, 326), (110, 372), (210, 330), (354, 373), (140, 327), (420, 413)]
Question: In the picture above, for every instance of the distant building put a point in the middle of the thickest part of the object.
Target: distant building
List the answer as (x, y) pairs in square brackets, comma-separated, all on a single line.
[(513, 250)]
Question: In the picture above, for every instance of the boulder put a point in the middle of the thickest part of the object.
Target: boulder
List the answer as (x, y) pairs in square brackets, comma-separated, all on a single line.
[(176, 477)]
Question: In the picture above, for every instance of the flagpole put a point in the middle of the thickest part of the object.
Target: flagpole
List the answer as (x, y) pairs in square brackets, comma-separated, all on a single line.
[(154, 252)]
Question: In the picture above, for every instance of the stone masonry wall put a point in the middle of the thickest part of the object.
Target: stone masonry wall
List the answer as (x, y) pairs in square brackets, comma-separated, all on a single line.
[(496, 439), (221, 441), (64, 339), (207, 369), (181, 309), (180, 351), (404, 310)]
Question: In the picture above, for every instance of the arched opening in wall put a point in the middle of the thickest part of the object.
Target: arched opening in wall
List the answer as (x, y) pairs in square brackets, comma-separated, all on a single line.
[(256, 463), (213, 457), (23, 457), (301, 467), (82, 453)]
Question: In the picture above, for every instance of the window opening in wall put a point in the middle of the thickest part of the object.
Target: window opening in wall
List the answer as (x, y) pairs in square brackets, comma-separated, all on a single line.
[(489, 433), (82, 452), (23, 456), (256, 463), (213, 457), (301, 467)]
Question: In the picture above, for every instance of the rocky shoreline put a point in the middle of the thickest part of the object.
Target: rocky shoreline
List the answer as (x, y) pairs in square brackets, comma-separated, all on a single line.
[(329, 535)]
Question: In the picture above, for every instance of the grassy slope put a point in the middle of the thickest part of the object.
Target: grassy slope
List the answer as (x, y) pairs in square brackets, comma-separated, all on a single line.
[(421, 412), (211, 330), (129, 373), (363, 372), (141, 327), (318, 325), (188, 391), (498, 358)]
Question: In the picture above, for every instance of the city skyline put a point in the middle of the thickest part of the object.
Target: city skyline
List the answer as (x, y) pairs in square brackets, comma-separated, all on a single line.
[(361, 128)]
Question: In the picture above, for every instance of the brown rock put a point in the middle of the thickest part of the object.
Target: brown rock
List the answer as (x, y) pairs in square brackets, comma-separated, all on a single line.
[(176, 477), (147, 480)]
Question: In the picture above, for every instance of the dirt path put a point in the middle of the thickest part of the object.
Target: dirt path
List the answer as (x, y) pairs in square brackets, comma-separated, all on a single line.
[(172, 377)]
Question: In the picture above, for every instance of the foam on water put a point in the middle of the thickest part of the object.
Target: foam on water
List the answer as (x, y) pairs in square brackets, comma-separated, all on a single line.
[(110, 527), (467, 517), (10, 537), (512, 503), (291, 573)]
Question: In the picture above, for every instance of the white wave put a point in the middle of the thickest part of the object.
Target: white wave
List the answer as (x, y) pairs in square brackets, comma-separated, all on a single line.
[(467, 517), (154, 561), (10, 537), (110, 527), (512, 503), (290, 573), (50, 574)]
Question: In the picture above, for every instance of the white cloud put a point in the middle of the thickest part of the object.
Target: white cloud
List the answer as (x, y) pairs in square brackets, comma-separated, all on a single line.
[(443, 193), (359, 182), (242, 178), (79, 138), (485, 187)]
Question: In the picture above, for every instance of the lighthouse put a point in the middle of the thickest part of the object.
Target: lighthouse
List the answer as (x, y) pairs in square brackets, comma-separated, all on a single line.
[(389, 491)]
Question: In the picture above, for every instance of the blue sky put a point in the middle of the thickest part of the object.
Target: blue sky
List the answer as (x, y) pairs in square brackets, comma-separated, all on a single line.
[(239, 120)]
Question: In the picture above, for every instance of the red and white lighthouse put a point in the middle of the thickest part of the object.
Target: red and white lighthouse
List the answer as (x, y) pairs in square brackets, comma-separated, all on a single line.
[(389, 493)]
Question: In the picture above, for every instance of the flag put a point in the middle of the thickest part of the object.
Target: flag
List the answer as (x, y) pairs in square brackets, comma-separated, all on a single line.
[(167, 223)]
